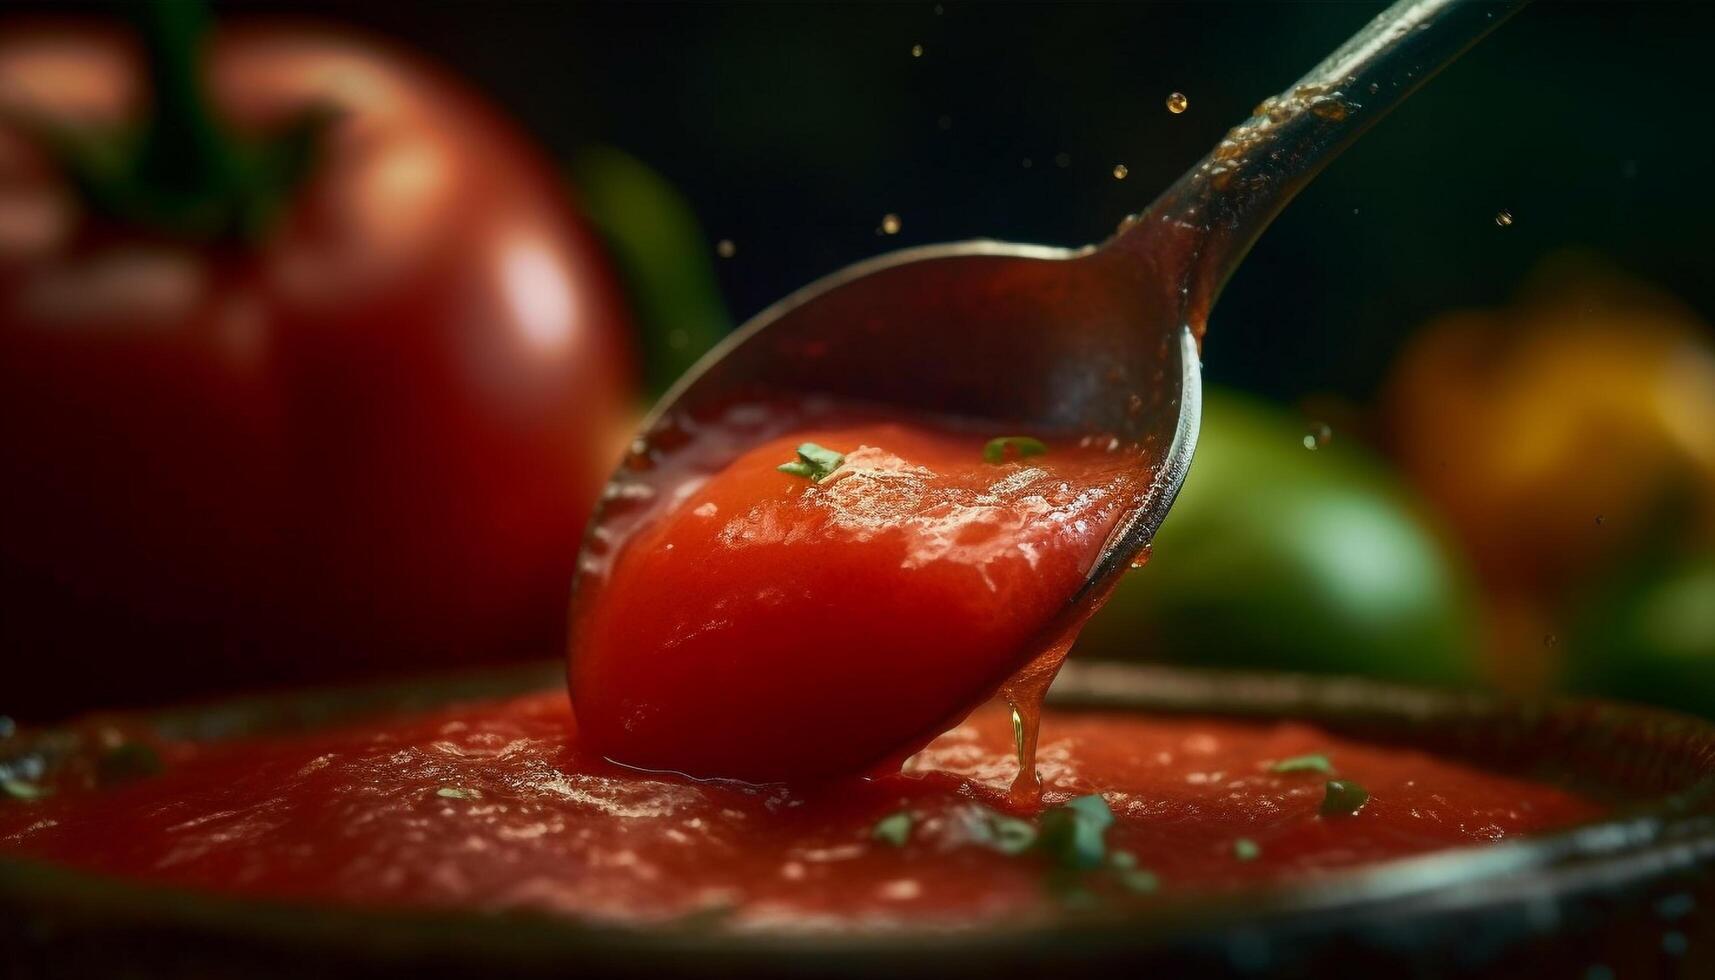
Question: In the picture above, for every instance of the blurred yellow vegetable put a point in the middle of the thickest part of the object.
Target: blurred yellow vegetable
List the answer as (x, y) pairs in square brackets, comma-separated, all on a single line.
[(1561, 437), (1555, 432)]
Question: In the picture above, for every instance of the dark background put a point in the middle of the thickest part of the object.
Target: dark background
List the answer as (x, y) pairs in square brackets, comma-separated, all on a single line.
[(792, 128)]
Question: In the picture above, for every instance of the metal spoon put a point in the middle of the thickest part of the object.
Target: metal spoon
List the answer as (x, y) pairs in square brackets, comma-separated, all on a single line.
[(1102, 340)]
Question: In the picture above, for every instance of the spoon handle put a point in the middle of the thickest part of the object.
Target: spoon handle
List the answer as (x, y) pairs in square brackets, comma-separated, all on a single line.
[(1220, 207)]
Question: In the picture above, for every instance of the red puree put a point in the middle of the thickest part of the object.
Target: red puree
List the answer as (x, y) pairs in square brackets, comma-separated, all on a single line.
[(760, 625), (500, 806)]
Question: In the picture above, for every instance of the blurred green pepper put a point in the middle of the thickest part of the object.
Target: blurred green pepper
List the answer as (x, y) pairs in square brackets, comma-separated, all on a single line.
[(1280, 556), (1649, 635), (664, 260)]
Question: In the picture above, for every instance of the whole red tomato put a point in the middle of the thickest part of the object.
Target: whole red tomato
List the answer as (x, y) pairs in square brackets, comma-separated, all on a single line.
[(360, 432)]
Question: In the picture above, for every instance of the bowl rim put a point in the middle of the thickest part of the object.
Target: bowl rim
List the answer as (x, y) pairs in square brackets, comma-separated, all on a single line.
[(1659, 836)]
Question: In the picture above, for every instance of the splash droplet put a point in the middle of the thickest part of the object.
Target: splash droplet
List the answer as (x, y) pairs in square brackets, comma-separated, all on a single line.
[(1318, 436), (1177, 103), (725, 248), (890, 224), (1504, 218), (917, 51), (1120, 171)]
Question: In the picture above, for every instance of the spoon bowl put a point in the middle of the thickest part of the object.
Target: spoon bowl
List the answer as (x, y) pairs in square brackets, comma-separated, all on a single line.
[(1027, 336)]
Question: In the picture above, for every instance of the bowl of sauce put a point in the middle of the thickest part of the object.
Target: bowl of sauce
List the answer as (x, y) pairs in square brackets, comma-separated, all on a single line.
[(1188, 821)]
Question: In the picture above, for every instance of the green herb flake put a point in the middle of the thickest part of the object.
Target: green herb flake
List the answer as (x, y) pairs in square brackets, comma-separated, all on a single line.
[(1018, 447), (1138, 881), (1315, 762), (19, 789), (814, 463), (455, 793), (999, 832), (1074, 834), (1343, 798), (1246, 849), (895, 828)]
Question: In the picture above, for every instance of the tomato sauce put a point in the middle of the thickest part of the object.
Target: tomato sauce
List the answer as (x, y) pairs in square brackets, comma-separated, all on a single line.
[(764, 625), (504, 806)]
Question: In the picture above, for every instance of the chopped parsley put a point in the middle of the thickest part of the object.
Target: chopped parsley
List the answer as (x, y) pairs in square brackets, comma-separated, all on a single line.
[(19, 789), (1008, 835), (895, 828), (1073, 839), (1246, 849), (1138, 880), (1131, 877), (814, 463), (1343, 798), (1074, 834), (1017, 447), (1315, 762)]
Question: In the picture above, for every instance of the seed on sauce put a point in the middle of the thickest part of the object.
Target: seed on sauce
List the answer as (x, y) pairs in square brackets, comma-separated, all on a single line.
[(1120, 171), (890, 224), (1177, 103)]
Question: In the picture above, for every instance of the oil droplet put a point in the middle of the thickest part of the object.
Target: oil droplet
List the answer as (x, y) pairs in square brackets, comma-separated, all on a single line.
[(1177, 103), (725, 248), (917, 51), (1120, 171), (1504, 218), (1318, 436), (890, 224)]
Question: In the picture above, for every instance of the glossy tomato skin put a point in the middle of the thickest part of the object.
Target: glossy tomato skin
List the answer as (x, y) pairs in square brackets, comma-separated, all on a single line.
[(366, 442)]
